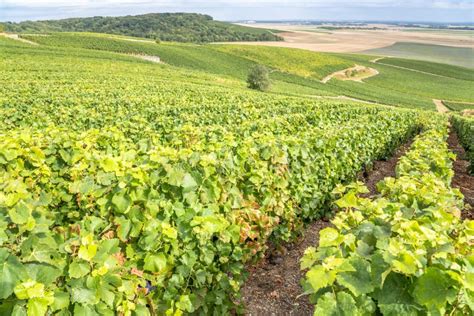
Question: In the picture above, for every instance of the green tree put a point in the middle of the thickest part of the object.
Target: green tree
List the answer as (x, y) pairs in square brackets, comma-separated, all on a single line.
[(258, 78)]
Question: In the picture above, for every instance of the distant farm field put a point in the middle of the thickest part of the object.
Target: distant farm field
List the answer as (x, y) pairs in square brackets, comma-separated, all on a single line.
[(459, 56)]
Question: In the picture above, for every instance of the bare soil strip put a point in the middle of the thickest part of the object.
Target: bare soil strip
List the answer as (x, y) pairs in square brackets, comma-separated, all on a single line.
[(382, 169), (440, 106), (361, 73), (132, 39), (18, 38), (343, 97), (154, 59), (273, 286), (462, 179), (375, 60)]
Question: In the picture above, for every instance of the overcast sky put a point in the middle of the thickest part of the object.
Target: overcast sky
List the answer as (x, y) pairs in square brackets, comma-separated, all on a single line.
[(399, 10)]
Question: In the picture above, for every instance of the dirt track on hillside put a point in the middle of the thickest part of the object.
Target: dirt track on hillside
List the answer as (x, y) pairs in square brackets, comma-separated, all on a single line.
[(440, 106), (342, 74)]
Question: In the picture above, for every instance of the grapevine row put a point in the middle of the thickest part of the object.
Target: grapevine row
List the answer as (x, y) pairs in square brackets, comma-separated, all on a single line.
[(406, 252), (93, 222), (464, 127)]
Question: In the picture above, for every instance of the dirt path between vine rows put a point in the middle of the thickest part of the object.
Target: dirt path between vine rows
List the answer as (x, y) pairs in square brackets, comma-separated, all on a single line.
[(462, 179), (440, 107), (18, 38), (154, 59), (344, 97), (273, 286)]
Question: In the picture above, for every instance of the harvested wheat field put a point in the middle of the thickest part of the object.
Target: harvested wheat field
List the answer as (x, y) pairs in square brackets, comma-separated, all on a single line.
[(348, 41)]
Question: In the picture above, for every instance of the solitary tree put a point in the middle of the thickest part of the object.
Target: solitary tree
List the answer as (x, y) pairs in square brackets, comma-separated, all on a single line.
[(258, 78)]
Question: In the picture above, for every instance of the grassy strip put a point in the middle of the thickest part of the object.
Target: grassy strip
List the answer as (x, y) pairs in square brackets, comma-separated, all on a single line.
[(406, 252)]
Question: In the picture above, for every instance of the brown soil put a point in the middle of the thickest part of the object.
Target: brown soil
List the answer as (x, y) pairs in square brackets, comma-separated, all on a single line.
[(273, 286), (382, 169), (462, 179), (154, 59)]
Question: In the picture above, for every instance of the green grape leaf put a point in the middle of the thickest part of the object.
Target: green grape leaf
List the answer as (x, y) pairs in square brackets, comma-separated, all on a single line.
[(61, 301), (330, 237), (78, 269), (122, 202), (109, 164), (348, 200), (327, 305), (175, 177), (20, 213), (395, 295), (39, 305), (155, 262), (11, 273), (434, 289), (43, 273), (359, 281), (189, 183), (185, 304), (319, 278)]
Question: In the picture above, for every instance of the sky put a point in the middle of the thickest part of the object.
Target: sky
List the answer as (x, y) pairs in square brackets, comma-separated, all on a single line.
[(442, 11)]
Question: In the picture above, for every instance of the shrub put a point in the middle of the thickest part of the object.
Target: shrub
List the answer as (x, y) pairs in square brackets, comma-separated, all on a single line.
[(258, 78)]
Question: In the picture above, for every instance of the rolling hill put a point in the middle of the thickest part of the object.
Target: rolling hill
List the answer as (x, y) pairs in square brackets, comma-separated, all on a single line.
[(179, 27), (145, 187), (412, 84)]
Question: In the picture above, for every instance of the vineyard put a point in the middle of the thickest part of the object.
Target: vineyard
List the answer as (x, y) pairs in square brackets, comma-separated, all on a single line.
[(411, 84), (465, 128), (404, 253), (134, 188)]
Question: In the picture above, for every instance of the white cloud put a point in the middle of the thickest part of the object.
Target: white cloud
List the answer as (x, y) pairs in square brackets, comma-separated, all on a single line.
[(419, 10), (445, 4)]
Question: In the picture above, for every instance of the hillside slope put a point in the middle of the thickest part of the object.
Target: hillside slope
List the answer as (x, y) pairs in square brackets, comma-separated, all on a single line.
[(293, 71), (180, 27)]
